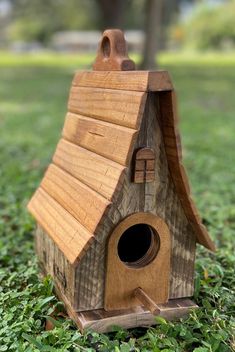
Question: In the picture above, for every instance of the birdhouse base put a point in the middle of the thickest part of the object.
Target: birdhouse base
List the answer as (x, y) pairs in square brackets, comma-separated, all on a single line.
[(102, 321)]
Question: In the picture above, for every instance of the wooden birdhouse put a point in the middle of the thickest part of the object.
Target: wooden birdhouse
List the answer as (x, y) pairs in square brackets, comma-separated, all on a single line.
[(117, 227)]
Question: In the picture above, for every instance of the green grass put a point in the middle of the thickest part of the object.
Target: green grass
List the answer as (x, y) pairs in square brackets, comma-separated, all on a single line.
[(34, 92), (53, 59)]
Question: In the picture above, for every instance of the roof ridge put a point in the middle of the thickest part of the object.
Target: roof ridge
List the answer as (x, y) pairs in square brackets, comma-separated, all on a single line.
[(135, 81)]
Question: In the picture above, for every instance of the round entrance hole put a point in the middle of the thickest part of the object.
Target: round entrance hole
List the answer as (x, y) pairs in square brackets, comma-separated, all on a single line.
[(138, 245)]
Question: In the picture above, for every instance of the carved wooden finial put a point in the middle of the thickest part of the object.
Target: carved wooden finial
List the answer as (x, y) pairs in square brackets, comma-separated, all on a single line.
[(112, 53)]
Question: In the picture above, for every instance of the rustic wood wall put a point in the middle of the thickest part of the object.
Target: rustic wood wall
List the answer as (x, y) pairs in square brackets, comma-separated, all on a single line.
[(84, 286), (158, 197), (52, 261)]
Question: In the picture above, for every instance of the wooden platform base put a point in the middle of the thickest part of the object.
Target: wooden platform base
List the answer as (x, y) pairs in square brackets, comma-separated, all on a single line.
[(101, 321)]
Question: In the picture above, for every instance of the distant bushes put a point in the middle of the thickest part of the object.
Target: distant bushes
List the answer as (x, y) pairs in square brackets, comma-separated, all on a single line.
[(38, 20), (210, 27)]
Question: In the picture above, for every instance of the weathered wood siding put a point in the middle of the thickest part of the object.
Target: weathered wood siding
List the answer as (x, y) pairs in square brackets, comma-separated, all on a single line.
[(52, 261), (158, 197), (84, 285)]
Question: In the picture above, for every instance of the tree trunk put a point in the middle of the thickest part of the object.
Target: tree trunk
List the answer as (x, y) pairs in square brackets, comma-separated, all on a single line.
[(112, 13), (170, 12), (153, 31)]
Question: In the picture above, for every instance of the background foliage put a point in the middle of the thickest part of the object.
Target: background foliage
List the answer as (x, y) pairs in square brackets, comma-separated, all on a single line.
[(34, 93), (209, 27), (37, 20)]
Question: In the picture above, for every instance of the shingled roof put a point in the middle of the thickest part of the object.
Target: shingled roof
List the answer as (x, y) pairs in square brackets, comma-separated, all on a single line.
[(105, 110)]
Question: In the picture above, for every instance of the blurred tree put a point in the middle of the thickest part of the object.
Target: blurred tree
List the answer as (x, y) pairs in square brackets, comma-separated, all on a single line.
[(135, 14), (39, 19), (112, 13), (4, 21), (153, 31), (170, 13), (123, 14), (158, 15)]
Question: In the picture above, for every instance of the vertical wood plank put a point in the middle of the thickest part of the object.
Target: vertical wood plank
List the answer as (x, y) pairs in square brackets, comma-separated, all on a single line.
[(53, 262)]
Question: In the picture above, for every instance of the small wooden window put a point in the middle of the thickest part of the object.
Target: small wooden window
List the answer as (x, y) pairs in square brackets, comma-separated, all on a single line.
[(144, 166)]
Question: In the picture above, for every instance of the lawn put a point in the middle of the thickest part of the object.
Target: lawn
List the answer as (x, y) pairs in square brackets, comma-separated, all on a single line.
[(33, 99)]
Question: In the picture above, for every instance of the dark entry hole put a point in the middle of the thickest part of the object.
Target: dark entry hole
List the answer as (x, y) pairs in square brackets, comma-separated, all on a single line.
[(106, 47), (138, 245)]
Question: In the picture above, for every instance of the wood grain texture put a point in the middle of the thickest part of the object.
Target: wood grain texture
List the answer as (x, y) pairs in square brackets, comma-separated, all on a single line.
[(122, 280), (102, 175), (145, 154), (141, 81), (162, 198), (106, 139), (144, 166), (124, 108), (109, 174), (102, 321), (158, 198), (112, 52), (90, 273), (50, 258), (174, 156), (53, 262), (146, 301), (84, 204), (90, 276), (69, 235)]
